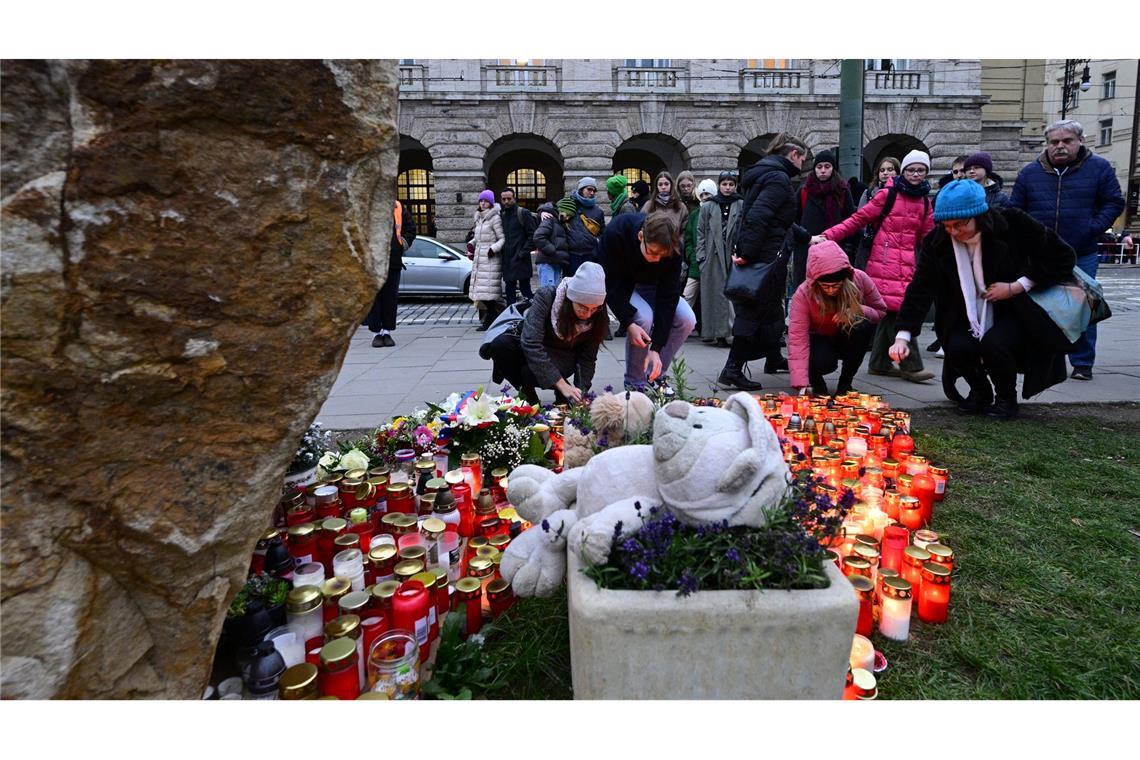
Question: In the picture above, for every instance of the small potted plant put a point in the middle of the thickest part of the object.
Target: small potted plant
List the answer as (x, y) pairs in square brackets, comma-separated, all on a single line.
[(303, 469)]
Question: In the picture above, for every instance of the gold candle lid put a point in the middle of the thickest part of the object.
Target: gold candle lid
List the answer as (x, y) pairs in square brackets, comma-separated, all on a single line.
[(334, 524), (916, 554), (416, 552), (382, 553), (303, 599), (865, 540), (861, 583), (345, 626), (498, 541), (301, 531), (354, 601), (297, 680), (398, 489), (869, 553), (433, 525), (857, 563), (426, 464), (940, 552), (469, 458), (480, 567), (936, 573), (337, 651), (372, 695), (468, 586), (408, 568), (896, 587), (500, 472), (347, 540), (385, 590), (336, 587), (426, 577)]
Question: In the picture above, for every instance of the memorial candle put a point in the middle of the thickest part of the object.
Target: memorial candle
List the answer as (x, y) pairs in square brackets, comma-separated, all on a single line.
[(862, 653), (891, 501), (895, 539), (922, 488), (913, 559), (924, 537), (869, 553), (894, 616), (865, 592), (941, 477), (934, 596), (941, 554), (910, 512)]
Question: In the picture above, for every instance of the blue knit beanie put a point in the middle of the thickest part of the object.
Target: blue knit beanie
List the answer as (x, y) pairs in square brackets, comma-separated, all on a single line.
[(961, 199)]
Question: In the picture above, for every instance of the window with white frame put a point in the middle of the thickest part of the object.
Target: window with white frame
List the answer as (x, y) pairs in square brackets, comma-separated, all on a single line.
[(649, 63), (1105, 135), (1108, 86)]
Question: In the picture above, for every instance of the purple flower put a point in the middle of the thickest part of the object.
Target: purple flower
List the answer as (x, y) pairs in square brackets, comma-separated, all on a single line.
[(546, 526), (640, 571), (688, 584), (617, 530), (505, 389), (609, 389), (733, 556)]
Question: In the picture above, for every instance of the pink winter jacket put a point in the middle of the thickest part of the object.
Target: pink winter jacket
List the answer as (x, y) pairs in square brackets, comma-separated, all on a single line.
[(891, 264), (806, 318)]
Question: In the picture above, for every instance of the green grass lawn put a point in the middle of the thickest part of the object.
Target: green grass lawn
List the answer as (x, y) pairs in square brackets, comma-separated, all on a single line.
[(1043, 515)]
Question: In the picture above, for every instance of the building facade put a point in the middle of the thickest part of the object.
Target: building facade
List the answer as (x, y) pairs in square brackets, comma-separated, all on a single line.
[(540, 126)]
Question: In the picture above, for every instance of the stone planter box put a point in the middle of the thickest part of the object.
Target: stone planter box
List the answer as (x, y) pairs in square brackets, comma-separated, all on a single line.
[(711, 645)]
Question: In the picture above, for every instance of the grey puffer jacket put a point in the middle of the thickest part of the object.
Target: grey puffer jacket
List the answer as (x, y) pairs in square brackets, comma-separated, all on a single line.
[(487, 270)]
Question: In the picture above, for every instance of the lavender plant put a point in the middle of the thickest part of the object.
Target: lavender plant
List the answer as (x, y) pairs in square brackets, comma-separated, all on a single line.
[(788, 552)]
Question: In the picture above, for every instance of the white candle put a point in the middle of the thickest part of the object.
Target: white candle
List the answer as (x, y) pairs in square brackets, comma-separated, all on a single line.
[(894, 617), (862, 654), (856, 447)]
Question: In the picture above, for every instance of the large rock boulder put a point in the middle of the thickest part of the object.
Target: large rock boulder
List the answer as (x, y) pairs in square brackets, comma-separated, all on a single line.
[(187, 248)]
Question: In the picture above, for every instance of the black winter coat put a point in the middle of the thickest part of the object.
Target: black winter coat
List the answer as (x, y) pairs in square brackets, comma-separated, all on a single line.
[(770, 208), (550, 242), (408, 233), (1017, 247), (549, 357), (518, 227), (580, 243)]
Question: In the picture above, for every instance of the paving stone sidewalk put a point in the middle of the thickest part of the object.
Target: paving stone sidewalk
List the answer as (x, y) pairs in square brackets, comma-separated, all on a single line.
[(436, 353)]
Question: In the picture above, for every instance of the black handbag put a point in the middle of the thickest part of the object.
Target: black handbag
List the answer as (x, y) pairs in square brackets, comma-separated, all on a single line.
[(751, 281)]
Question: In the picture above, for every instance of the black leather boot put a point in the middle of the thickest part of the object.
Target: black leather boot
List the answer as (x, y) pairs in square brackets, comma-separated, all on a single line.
[(1005, 393), (732, 376), (981, 394)]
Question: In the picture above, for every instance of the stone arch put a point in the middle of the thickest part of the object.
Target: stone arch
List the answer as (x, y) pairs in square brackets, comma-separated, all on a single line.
[(754, 150), (895, 144), (415, 183), (518, 151), (653, 153)]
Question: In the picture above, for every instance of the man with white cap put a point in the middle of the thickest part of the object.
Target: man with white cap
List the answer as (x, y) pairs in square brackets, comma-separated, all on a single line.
[(586, 226)]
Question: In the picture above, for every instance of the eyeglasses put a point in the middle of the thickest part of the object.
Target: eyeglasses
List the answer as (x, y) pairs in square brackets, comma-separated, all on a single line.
[(957, 171), (915, 170)]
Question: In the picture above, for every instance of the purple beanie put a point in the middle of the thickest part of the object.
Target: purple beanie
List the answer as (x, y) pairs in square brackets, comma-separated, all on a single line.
[(488, 196), (981, 159)]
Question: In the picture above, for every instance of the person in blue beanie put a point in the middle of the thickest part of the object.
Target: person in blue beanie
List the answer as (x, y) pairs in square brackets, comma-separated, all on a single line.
[(976, 266), (1076, 194)]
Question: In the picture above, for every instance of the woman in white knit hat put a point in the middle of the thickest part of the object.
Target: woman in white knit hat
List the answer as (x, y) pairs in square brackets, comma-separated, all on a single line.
[(559, 338), (705, 190), (903, 216)]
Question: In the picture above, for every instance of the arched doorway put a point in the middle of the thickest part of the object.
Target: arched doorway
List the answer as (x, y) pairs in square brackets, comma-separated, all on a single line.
[(754, 150), (530, 164), (645, 156), (895, 145), (415, 185)]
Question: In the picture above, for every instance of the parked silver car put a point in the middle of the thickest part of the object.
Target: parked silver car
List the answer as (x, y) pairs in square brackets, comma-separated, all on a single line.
[(434, 268)]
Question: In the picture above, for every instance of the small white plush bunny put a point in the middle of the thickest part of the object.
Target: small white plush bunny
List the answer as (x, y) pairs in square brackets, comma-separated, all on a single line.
[(706, 464)]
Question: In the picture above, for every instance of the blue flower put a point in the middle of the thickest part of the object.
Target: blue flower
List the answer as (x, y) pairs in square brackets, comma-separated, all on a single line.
[(546, 526), (640, 571), (617, 529), (505, 389), (733, 556), (609, 389)]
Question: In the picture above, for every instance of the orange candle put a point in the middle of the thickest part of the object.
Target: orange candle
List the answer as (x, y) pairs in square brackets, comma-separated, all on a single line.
[(856, 565), (941, 477), (891, 501), (905, 484), (934, 598), (891, 468), (922, 488), (895, 540), (910, 512), (913, 560)]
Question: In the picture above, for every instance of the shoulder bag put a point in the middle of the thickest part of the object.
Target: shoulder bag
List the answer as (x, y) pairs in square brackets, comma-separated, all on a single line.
[(1073, 304)]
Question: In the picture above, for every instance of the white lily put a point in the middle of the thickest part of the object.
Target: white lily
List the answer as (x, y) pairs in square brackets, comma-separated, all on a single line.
[(478, 411)]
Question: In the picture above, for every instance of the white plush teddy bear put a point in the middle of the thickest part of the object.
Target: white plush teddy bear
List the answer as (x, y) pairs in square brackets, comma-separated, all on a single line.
[(706, 464), (615, 417)]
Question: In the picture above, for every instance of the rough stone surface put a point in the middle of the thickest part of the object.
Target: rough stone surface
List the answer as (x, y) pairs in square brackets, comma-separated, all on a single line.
[(711, 645), (187, 248)]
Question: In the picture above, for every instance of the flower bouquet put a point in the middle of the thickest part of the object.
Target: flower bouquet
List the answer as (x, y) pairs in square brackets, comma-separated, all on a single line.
[(500, 428), (416, 431)]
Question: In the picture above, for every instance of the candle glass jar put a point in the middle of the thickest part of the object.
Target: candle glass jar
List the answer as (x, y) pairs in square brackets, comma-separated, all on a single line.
[(383, 562), (332, 590), (401, 499), (303, 611), (500, 595), (428, 579), (854, 565), (338, 670), (309, 574), (862, 653), (299, 682), (934, 596), (922, 488), (472, 468), (864, 590), (910, 513), (410, 613), (895, 540), (869, 553), (302, 542), (913, 560), (941, 554), (941, 476), (393, 666), (894, 614), (864, 684), (349, 564), (382, 595), (405, 469), (405, 569), (925, 537), (468, 595)]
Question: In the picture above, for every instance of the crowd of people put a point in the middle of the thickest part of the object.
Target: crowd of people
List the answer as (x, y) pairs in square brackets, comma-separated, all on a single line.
[(863, 275)]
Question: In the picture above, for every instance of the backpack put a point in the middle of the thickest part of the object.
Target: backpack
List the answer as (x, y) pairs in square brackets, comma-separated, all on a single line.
[(868, 238)]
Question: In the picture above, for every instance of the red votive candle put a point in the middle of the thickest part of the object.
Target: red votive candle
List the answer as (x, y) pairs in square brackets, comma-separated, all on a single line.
[(934, 598), (910, 512), (895, 540), (865, 590), (469, 592), (913, 559), (922, 488), (941, 477)]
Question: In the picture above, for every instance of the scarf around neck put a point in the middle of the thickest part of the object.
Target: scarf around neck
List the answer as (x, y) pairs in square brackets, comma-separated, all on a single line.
[(916, 191), (579, 326), (830, 197), (968, 259), (618, 202), (663, 199), (587, 202)]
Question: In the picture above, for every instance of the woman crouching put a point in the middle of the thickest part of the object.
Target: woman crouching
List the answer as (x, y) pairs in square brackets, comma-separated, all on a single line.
[(977, 266), (833, 314)]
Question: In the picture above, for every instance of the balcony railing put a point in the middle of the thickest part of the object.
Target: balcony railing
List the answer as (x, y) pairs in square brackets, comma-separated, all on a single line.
[(412, 78), (776, 80), (904, 82), (642, 79), (521, 78)]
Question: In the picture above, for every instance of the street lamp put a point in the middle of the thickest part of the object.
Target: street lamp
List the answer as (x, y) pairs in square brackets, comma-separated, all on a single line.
[(1069, 88)]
